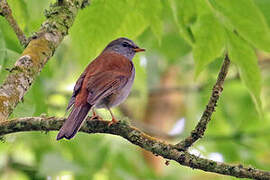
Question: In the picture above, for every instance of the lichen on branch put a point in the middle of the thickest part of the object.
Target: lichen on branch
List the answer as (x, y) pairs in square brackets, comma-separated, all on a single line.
[(60, 17), (137, 137)]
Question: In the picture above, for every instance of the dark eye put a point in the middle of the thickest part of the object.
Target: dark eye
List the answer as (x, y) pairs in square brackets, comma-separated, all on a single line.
[(125, 44)]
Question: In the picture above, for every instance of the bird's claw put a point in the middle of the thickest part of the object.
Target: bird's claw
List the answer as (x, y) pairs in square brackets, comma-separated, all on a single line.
[(96, 117), (113, 121)]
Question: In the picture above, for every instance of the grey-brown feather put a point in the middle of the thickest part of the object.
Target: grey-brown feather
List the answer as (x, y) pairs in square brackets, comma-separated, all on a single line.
[(74, 121)]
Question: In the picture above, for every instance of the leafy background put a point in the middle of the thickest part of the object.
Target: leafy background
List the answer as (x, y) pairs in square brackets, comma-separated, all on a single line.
[(186, 41)]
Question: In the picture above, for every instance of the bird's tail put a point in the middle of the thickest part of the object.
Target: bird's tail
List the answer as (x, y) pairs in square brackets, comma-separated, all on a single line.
[(74, 121)]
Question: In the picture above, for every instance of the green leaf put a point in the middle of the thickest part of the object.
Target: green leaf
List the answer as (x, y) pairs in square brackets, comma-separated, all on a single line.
[(9, 36), (246, 18), (185, 14), (264, 7), (96, 26), (7, 57), (173, 47), (209, 41), (134, 20), (99, 24), (152, 10), (243, 55), (7, 61)]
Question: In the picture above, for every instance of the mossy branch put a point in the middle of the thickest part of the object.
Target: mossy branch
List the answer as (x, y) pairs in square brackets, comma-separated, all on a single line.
[(137, 137), (60, 17)]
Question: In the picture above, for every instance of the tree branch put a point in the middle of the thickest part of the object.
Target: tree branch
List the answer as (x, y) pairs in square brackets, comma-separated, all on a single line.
[(136, 137), (60, 17), (199, 130), (7, 13)]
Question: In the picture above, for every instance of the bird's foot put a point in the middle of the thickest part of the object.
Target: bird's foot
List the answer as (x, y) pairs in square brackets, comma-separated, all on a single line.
[(95, 116), (113, 121)]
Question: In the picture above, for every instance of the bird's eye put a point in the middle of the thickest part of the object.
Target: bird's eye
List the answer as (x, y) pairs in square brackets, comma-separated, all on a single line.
[(125, 44)]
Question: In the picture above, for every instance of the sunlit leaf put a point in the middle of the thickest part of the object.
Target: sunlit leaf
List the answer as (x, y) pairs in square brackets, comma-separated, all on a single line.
[(9, 36), (185, 14), (247, 20), (7, 58), (152, 11), (174, 47), (264, 7), (99, 26), (135, 20), (245, 58), (209, 41)]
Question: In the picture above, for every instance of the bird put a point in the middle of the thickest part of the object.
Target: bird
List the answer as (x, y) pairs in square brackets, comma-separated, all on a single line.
[(105, 83)]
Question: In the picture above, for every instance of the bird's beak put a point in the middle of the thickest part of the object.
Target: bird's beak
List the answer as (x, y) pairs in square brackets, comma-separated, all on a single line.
[(137, 49)]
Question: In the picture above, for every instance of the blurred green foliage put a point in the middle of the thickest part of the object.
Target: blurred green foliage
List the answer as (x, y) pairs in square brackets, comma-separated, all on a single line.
[(193, 35)]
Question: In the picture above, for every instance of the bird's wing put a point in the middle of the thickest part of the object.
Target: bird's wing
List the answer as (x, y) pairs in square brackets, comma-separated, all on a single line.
[(76, 90), (111, 74), (105, 84)]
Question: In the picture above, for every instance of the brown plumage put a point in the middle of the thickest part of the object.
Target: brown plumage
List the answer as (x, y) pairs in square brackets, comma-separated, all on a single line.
[(105, 83)]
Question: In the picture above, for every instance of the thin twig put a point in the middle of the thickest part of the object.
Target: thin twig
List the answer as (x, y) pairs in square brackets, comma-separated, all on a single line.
[(136, 137), (199, 130), (7, 13)]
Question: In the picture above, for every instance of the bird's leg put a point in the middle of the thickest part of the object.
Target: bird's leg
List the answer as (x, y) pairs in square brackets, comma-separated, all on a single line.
[(113, 118), (95, 115)]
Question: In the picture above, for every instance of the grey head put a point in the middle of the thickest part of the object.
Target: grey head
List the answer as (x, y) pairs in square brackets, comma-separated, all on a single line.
[(124, 46)]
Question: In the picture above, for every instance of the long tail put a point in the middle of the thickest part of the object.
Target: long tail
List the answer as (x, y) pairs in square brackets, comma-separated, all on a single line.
[(74, 121)]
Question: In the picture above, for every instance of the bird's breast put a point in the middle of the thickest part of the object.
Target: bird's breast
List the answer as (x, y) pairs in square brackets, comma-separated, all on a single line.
[(118, 97)]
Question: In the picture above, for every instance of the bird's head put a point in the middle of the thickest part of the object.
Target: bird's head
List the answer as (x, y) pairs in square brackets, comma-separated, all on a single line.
[(124, 46)]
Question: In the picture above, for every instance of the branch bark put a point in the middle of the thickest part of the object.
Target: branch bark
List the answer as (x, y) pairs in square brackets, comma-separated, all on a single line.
[(199, 130), (138, 138), (60, 17), (7, 13)]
